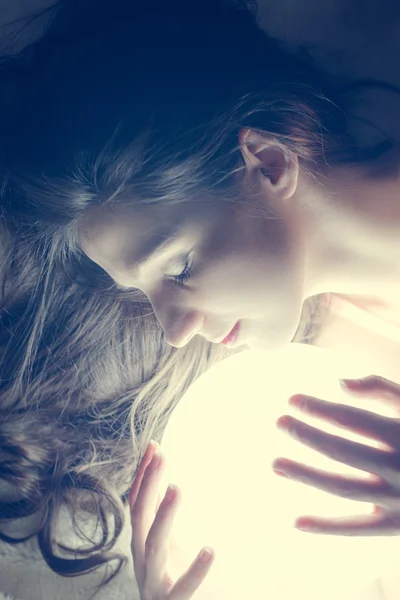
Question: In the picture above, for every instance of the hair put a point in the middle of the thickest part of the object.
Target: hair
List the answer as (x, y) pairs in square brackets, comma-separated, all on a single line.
[(123, 102), (76, 420)]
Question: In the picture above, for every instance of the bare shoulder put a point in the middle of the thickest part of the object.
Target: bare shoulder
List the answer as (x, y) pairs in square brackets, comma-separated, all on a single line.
[(346, 338)]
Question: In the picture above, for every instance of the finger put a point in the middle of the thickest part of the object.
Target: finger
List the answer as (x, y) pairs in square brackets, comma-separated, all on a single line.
[(192, 579), (157, 542), (146, 460), (374, 385), (363, 422), (363, 525), (142, 514), (376, 492), (359, 456)]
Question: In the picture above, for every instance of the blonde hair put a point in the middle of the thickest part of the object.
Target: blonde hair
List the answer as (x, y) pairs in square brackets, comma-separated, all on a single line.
[(76, 414), (107, 107), (83, 394)]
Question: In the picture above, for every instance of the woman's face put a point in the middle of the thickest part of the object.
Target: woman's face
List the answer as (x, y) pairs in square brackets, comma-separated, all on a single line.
[(224, 262)]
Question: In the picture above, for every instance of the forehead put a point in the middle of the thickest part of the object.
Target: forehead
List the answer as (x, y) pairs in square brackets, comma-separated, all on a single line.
[(169, 219), (173, 213), (121, 230)]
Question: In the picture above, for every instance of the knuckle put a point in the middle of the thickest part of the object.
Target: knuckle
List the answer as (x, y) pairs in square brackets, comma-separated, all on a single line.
[(388, 388), (185, 587), (136, 515), (372, 380), (151, 547), (349, 492), (340, 417), (147, 593), (380, 381)]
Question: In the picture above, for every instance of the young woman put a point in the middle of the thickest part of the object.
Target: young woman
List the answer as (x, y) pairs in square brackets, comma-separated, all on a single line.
[(171, 151)]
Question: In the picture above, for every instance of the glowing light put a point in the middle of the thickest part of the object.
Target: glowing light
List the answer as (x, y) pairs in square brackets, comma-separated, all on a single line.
[(220, 443)]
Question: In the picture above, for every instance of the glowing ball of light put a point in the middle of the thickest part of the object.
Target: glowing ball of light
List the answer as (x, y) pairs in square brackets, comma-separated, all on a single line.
[(220, 443)]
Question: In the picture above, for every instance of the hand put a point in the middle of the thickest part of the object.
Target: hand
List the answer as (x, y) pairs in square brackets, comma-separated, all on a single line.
[(383, 487), (153, 546)]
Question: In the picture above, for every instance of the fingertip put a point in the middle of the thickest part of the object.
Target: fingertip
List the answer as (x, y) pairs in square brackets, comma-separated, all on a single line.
[(351, 384), (284, 422), (152, 446), (298, 400), (305, 524), (206, 554)]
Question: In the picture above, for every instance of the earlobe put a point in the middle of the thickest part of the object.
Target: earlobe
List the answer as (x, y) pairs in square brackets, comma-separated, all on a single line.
[(277, 166)]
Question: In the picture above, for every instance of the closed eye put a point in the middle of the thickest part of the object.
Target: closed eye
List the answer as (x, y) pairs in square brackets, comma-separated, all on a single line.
[(185, 275), (180, 279)]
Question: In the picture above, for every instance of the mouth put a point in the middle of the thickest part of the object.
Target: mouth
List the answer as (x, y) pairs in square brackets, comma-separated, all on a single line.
[(232, 337)]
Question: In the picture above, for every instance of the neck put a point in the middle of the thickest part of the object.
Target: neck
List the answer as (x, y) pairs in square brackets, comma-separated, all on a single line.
[(352, 232)]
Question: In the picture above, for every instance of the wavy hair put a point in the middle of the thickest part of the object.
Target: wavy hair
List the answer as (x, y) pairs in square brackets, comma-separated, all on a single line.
[(76, 419), (122, 102)]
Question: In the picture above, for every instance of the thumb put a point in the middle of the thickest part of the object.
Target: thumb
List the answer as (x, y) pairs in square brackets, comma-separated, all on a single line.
[(374, 386)]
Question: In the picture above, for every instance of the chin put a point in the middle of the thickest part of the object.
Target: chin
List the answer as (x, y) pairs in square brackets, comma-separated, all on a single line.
[(266, 345), (275, 339)]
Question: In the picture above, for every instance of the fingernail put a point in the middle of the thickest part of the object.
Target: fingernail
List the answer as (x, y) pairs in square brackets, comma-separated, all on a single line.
[(206, 554), (350, 383), (283, 422), (298, 400), (302, 526), (280, 473), (156, 459), (152, 445), (170, 493)]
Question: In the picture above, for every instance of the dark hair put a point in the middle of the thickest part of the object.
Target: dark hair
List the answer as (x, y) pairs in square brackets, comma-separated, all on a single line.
[(77, 414), (143, 102), (123, 101)]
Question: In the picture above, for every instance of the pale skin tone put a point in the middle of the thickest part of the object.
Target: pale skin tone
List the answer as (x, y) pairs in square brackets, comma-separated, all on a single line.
[(153, 544), (329, 237), (337, 235)]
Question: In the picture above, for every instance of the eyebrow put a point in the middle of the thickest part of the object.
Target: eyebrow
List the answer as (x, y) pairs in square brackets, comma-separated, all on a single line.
[(155, 247), (151, 250)]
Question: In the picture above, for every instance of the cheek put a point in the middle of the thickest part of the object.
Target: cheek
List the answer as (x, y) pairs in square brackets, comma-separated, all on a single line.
[(253, 268), (285, 302), (285, 256), (279, 292)]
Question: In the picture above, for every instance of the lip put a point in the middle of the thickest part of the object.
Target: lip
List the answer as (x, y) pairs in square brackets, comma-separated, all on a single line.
[(231, 339)]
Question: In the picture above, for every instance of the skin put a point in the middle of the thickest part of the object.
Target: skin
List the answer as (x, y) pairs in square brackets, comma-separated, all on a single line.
[(381, 488), (331, 236), (339, 235), (155, 550)]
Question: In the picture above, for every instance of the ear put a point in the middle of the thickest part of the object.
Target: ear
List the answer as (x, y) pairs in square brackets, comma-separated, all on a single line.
[(278, 167)]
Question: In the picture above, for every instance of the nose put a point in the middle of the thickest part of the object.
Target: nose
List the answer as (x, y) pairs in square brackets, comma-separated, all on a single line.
[(180, 329)]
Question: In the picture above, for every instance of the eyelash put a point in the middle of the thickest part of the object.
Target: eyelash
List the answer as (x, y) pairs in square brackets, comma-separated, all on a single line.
[(185, 275)]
